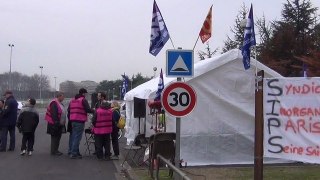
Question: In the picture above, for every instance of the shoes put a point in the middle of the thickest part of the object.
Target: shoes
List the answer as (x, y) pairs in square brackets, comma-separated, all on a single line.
[(58, 153), (10, 149), (114, 157), (75, 156), (30, 153), (23, 152)]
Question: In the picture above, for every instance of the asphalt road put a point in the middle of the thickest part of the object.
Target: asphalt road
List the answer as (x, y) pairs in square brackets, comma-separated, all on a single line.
[(42, 166)]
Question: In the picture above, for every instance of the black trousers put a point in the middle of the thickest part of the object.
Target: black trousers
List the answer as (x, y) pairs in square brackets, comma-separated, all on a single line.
[(102, 141), (55, 143), (28, 137), (115, 142), (4, 132)]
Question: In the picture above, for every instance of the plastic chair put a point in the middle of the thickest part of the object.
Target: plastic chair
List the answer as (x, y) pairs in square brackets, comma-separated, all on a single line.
[(163, 144), (89, 140), (139, 144)]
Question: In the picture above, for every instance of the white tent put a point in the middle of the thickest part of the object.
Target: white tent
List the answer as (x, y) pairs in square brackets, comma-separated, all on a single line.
[(220, 130)]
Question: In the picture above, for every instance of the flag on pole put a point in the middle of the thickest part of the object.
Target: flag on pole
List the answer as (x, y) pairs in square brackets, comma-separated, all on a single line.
[(124, 88), (249, 40), (305, 70), (205, 32), (160, 87), (159, 31)]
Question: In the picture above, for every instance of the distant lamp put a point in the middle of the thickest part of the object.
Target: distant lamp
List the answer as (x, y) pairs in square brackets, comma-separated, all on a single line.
[(243, 23), (154, 71)]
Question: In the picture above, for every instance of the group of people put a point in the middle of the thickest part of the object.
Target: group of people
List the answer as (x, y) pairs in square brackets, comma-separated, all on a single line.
[(103, 125)]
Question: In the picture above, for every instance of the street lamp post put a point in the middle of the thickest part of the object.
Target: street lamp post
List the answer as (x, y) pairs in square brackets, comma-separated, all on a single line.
[(41, 67), (154, 72), (55, 86), (112, 94), (108, 94), (120, 94), (10, 80)]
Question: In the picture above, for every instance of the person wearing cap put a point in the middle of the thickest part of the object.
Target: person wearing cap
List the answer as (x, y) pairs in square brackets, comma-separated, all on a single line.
[(56, 118), (77, 114), (102, 128), (8, 122), (27, 123)]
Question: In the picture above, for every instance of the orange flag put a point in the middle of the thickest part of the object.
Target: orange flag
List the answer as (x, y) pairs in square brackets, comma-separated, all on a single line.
[(205, 32)]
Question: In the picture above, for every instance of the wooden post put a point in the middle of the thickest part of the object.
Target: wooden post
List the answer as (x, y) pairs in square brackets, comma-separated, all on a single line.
[(258, 135)]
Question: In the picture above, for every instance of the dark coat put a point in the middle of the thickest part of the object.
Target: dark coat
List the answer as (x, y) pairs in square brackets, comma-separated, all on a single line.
[(115, 118), (28, 120), (56, 128), (10, 112)]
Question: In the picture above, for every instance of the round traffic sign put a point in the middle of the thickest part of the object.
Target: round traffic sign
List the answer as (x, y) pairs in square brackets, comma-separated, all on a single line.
[(178, 99)]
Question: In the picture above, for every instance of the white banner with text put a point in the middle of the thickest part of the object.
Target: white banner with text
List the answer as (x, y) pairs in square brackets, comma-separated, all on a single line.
[(292, 118)]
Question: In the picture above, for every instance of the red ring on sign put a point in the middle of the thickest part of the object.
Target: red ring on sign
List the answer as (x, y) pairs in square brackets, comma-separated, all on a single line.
[(190, 91)]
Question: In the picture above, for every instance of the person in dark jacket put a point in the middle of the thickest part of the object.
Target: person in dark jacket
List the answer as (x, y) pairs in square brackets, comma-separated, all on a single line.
[(56, 118), (1, 109), (115, 130), (77, 114), (28, 121), (8, 122)]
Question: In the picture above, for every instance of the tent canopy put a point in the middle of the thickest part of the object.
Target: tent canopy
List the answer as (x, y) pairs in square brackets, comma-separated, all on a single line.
[(220, 129)]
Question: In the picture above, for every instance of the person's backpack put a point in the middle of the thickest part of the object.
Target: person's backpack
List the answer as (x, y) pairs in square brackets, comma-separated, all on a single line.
[(122, 122)]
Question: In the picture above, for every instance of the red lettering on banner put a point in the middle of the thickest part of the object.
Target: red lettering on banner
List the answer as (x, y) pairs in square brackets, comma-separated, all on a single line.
[(290, 125), (293, 149), (303, 89), (313, 151), (301, 125), (304, 111)]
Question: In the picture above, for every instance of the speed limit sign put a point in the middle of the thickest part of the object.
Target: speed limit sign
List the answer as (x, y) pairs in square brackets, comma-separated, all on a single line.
[(178, 99)]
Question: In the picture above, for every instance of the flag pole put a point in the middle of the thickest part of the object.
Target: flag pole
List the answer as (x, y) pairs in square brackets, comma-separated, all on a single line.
[(195, 43), (172, 42)]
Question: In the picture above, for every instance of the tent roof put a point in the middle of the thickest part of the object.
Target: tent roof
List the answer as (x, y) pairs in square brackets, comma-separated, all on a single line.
[(147, 90)]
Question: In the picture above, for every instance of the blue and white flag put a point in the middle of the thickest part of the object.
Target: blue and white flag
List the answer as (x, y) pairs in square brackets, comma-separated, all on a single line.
[(159, 31), (160, 87), (249, 40), (124, 88)]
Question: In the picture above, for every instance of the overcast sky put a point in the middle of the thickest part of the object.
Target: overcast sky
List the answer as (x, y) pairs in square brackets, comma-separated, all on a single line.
[(101, 39)]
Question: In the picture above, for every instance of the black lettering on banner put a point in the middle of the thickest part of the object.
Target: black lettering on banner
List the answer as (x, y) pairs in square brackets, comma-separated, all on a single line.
[(270, 141), (273, 104), (275, 124), (274, 87), (178, 99)]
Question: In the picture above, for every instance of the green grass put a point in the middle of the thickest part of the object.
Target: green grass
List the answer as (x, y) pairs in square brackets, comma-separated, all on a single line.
[(301, 172)]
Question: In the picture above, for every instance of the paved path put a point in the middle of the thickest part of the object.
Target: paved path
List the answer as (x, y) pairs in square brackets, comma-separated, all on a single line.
[(42, 166)]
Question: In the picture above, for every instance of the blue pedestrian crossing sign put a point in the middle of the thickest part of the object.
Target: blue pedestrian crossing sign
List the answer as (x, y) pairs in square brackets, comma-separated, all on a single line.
[(179, 63)]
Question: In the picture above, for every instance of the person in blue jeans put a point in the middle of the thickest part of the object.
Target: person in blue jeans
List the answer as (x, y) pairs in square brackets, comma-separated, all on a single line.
[(8, 121), (77, 114)]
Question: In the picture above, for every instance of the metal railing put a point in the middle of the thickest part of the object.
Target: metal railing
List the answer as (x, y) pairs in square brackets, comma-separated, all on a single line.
[(171, 166)]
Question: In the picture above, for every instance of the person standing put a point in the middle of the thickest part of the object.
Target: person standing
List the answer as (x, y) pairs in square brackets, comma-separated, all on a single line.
[(77, 112), (115, 130), (1, 109), (102, 128), (28, 121), (56, 118), (8, 122)]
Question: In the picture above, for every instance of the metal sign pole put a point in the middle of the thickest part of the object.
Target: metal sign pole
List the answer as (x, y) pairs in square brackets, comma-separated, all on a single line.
[(178, 132)]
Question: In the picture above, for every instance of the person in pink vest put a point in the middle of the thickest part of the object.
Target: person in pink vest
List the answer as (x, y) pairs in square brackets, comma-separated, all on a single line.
[(77, 114), (102, 128), (56, 118)]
